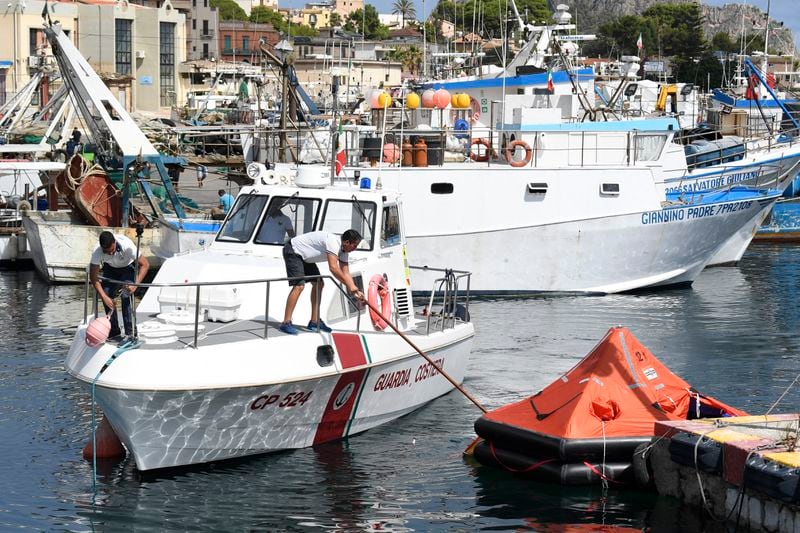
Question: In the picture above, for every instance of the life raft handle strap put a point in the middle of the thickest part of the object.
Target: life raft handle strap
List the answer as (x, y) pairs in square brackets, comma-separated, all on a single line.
[(542, 416)]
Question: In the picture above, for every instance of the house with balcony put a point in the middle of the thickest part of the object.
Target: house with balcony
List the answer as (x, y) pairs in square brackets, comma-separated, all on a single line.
[(239, 40)]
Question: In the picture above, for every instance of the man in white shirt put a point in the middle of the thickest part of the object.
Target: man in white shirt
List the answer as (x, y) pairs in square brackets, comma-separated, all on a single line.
[(117, 255), (301, 255)]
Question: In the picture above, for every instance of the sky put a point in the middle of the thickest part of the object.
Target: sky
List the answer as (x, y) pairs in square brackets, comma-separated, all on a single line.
[(781, 10)]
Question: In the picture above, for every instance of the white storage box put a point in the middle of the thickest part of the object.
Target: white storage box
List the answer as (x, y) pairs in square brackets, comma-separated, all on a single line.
[(172, 299), (219, 304)]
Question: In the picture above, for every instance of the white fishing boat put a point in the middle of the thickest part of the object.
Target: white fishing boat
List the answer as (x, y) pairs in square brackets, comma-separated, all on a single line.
[(61, 241), (212, 377), (543, 72), (19, 179), (570, 208)]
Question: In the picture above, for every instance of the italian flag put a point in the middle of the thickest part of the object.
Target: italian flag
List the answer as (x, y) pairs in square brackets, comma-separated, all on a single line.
[(550, 87), (341, 157)]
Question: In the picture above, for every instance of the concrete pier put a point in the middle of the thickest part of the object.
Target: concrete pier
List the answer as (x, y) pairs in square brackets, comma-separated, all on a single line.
[(745, 470)]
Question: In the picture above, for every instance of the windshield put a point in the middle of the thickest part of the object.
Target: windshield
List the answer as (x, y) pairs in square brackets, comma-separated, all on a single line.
[(242, 219), (342, 215), (287, 216)]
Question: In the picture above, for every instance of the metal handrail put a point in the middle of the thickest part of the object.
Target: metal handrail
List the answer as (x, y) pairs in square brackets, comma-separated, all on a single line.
[(759, 170), (450, 296), (199, 284), (448, 304)]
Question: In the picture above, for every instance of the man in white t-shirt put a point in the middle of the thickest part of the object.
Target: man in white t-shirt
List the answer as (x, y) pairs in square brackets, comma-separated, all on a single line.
[(275, 228), (301, 255), (117, 255)]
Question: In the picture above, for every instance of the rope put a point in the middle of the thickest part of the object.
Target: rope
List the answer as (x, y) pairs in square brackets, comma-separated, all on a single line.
[(123, 347), (603, 464), (774, 405), (516, 470)]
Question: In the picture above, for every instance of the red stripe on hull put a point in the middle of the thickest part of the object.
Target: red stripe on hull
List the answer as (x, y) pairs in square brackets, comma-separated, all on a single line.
[(350, 349), (340, 407)]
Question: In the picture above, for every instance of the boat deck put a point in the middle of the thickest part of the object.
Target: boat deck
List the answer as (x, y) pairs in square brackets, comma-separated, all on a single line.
[(216, 333)]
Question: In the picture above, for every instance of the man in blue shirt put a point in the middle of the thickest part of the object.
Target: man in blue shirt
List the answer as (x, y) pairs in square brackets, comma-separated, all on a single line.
[(225, 204)]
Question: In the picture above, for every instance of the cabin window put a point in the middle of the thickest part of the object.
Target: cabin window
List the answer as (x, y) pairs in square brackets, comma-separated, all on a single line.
[(242, 219), (342, 215), (441, 188), (648, 147), (390, 226), (342, 307), (286, 217)]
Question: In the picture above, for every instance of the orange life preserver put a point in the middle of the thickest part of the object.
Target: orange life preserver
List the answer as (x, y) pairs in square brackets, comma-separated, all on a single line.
[(512, 147), (475, 156), (379, 290)]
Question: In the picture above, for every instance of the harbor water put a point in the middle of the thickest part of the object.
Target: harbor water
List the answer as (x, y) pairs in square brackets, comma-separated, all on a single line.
[(732, 335)]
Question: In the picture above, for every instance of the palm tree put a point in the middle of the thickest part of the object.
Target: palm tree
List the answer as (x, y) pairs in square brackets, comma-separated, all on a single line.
[(406, 10)]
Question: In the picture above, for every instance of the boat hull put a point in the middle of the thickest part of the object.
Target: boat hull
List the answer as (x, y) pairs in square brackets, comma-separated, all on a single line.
[(170, 427), (60, 244), (603, 255)]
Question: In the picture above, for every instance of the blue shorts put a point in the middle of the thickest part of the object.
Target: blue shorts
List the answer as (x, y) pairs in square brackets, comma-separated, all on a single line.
[(296, 267)]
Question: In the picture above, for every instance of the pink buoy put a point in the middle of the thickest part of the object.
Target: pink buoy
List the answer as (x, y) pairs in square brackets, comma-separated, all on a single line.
[(98, 330), (108, 444), (441, 98), (390, 152), (373, 99), (427, 98)]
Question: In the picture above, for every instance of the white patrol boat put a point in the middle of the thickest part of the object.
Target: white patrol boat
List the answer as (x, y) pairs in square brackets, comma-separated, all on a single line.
[(211, 377)]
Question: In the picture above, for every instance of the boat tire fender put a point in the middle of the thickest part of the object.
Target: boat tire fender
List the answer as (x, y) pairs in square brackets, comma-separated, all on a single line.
[(642, 470), (512, 147), (378, 296), (480, 158)]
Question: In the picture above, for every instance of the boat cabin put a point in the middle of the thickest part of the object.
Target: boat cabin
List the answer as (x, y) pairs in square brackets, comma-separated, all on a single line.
[(242, 273)]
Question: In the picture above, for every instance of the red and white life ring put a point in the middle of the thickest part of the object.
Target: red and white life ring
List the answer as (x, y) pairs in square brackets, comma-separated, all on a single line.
[(481, 158), (512, 148), (378, 296)]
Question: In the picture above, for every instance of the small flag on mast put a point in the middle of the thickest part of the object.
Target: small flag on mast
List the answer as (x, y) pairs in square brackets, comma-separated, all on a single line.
[(639, 42), (550, 87)]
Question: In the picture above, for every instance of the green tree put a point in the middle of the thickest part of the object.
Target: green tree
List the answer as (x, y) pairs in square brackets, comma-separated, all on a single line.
[(265, 15), (229, 10), (678, 29), (369, 18), (410, 57), (302, 30), (492, 13), (619, 36), (336, 19), (723, 42), (406, 9)]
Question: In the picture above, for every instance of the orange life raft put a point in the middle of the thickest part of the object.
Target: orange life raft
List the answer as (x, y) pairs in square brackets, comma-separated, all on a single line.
[(584, 427)]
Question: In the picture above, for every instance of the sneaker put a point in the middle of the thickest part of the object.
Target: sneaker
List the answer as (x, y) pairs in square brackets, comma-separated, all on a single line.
[(288, 328), (318, 326), (114, 333)]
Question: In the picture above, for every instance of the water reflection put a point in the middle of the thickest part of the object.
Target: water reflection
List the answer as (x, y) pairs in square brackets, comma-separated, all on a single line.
[(733, 335)]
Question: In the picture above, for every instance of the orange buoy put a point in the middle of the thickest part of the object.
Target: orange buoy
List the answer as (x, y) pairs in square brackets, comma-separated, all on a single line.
[(108, 444)]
